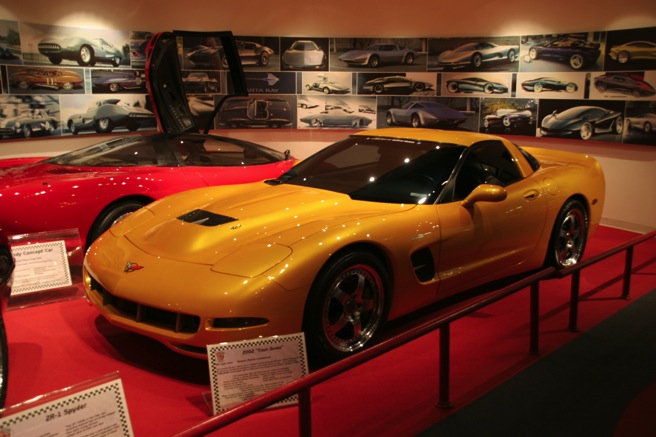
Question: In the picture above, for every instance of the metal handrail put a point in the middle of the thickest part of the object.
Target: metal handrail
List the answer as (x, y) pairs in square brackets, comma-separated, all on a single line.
[(302, 385)]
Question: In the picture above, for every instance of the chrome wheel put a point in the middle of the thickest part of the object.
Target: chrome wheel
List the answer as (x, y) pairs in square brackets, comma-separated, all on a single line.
[(85, 55), (586, 131), (570, 234), (346, 306), (576, 62)]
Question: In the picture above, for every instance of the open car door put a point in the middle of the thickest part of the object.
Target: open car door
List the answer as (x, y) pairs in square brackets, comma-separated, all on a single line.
[(164, 79)]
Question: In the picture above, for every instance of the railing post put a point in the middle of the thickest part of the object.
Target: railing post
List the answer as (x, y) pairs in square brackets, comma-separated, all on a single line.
[(628, 266), (574, 301), (444, 362), (535, 319), (305, 413)]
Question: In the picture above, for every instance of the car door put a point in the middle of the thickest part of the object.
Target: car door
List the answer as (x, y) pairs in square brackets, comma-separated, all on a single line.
[(486, 240)]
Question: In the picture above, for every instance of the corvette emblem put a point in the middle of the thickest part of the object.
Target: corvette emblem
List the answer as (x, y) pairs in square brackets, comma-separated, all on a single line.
[(132, 267)]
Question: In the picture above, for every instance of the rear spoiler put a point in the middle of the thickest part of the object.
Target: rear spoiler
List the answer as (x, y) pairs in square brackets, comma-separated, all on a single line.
[(164, 79)]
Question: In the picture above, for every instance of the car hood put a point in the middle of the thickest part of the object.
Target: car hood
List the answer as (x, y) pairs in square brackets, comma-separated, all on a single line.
[(557, 121), (451, 55), (212, 224), (353, 54)]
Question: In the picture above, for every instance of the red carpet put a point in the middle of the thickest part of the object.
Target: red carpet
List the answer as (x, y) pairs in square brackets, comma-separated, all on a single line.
[(57, 345)]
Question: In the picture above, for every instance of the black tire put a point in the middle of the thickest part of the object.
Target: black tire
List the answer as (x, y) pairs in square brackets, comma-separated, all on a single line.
[(569, 235), (27, 131), (476, 60), (647, 127), (419, 87), (72, 128), (415, 120), (409, 59), (347, 306), (373, 61), (112, 215), (264, 59), (379, 89), (389, 118), (104, 125), (114, 87)]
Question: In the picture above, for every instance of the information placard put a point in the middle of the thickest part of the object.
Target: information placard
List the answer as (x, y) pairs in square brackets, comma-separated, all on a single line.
[(40, 266), (98, 410), (242, 370)]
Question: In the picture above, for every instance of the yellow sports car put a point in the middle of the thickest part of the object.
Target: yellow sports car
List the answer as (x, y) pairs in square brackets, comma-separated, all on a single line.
[(366, 230)]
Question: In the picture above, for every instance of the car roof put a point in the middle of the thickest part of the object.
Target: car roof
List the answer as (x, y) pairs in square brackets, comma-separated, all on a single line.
[(442, 136)]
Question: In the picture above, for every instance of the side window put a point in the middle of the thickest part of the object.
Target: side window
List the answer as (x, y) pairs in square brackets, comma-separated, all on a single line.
[(488, 162)]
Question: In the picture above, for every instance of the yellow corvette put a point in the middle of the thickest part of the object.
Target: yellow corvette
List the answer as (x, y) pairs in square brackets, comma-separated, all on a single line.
[(366, 230)]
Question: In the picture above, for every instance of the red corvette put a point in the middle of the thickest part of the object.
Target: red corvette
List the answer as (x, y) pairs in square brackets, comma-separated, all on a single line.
[(94, 187), (91, 188)]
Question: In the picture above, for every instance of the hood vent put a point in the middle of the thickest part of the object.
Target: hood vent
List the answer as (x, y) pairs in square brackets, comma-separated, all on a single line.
[(205, 218)]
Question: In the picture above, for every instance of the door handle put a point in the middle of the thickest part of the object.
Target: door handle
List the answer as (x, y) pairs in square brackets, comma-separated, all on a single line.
[(531, 195)]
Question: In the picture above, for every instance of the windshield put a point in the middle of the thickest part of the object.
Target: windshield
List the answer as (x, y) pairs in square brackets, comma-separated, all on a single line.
[(170, 151), (389, 170)]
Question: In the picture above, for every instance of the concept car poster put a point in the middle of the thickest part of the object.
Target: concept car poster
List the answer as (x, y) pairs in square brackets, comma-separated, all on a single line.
[(338, 83)]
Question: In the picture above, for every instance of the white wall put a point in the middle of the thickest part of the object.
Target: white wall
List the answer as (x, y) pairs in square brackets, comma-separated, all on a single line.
[(630, 170)]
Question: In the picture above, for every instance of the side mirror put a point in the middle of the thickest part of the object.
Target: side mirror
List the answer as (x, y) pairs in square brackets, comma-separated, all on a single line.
[(485, 193)]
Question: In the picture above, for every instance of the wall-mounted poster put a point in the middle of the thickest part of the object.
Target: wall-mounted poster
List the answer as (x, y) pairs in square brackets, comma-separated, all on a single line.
[(500, 84), (600, 120), (473, 54), (58, 45)]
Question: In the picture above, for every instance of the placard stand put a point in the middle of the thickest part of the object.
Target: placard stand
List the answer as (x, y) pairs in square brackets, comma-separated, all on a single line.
[(48, 268), (94, 407), (242, 370)]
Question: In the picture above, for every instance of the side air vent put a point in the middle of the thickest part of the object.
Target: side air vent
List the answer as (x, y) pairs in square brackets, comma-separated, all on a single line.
[(423, 264), (205, 218)]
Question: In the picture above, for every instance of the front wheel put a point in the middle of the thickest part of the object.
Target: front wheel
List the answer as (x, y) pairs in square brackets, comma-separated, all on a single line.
[(112, 215), (85, 56), (346, 306), (569, 235), (374, 61), (389, 118)]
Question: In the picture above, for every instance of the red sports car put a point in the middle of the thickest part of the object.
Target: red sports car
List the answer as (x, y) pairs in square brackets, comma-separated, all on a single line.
[(92, 188)]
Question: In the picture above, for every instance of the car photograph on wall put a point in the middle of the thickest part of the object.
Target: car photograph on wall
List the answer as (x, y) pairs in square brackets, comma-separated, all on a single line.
[(623, 83), (395, 85), (328, 87), (29, 124), (64, 79), (378, 54), (425, 114), (114, 81), (475, 54), (368, 229), (644, 122), (540, 84), (85, 51), (251, 53), (583, 122), (575, 52), (105, 115), (508, 118), (336, 118), (304, 54), (633, 51), (475, 85), (255, 112)]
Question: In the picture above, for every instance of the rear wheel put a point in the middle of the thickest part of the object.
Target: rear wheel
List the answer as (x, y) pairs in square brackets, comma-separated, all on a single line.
[(569, 235), (112, 215), (346, 305)]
